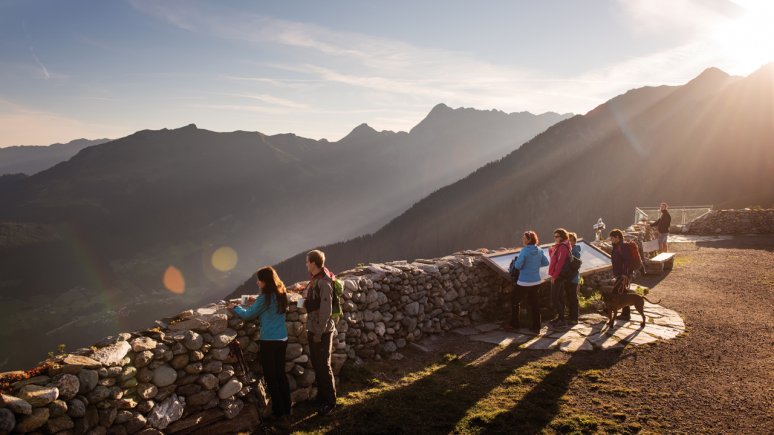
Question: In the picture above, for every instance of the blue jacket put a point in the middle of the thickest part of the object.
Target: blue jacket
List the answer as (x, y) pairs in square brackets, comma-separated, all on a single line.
[(272, 323), (576, 252), (530, 260)]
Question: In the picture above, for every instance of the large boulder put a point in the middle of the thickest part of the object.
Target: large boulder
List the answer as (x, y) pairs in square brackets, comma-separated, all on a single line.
[(15, 404), (68, 386), (36, 395), (113, 354), (31, 422), (164, 376), (166, 412)]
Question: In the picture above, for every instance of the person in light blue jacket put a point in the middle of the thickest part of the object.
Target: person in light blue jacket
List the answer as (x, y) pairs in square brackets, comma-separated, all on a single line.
[(270, 309), (528, 263), (571, 288)]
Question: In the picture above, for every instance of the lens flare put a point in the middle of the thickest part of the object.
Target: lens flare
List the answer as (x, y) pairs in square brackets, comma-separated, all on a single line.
[(224, 259), (174, 281)]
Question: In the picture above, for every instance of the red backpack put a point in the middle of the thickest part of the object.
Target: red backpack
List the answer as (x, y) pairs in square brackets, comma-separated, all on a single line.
[(634, 255)]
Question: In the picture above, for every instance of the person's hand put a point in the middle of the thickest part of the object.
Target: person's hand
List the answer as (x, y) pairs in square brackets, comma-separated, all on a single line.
[(231, 305), (250, 300)]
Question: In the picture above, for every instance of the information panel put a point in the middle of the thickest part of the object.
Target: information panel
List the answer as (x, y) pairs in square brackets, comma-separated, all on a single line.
[(594, 260)]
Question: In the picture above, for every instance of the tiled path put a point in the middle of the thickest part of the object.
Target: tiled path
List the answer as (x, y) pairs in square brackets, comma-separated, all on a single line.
[(591, 333)]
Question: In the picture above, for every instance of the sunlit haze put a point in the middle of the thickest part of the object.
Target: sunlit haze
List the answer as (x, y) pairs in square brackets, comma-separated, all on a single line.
[(106, 69)]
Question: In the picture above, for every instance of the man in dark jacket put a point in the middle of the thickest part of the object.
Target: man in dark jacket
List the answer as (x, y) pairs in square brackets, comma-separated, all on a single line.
[(621, 258), (321, 328), (662, 225)]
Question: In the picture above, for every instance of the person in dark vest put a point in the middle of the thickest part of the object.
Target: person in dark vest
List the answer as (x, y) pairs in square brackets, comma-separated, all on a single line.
[(560, 254), (270, 308), (662, 225), (621, 258), (321, 328), (529, 261)]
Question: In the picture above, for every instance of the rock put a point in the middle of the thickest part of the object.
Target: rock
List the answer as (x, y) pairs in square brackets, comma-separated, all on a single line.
[(306, 378), (15, 404), (187, 390), (165, 392), (164, 376), (145, 406), (224, 338), (136, 423), (127, 373), (412, 309), (220, 354), (57, 408), (107, 416), (231, 407), (123, 416), (99, 394), (213, 367), (143, 358), (218, 323), (208, 381), (451, 295), (31, 422), (145, 374), (37, 380), (195, 368), (147, 391), (166, 412), (299, 395), (68, 386), (76, 408), (293, 351), (179, 361), (80, 362), (193, 341), (389, 347), (113, 354), (36, 395), (143, 343), (193, 323), (201, 398), (231, 387), (7, 420)]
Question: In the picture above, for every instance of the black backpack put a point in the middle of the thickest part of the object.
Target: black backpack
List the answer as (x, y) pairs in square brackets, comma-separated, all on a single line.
[(571, 267), (513, 270)]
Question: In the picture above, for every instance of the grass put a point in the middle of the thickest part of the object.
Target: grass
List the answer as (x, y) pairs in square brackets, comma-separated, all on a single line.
[(681, 261), (499, 391)]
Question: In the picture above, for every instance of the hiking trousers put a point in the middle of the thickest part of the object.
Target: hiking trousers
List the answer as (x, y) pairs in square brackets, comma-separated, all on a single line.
[(323, 373), (532, 295), (557, 296), (272, 356), (571, 296)]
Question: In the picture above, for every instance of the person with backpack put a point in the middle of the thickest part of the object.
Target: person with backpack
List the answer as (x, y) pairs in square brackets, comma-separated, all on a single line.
[(270, 308), (622, 267), (572, 286), (321, 327), (525, 270), (560, 254), (662, 225)]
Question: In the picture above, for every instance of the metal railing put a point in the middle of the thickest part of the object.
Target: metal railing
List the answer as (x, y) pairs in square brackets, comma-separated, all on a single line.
[(681, 215)]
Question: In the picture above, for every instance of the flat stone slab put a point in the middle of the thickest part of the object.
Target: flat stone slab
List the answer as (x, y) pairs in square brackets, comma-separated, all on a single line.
[(591, 333)]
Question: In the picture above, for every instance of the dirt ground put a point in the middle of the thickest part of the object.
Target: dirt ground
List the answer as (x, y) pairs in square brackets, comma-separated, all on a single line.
[(718, 377)]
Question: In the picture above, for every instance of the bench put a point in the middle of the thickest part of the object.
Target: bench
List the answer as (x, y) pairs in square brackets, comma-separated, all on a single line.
[(659, 263)]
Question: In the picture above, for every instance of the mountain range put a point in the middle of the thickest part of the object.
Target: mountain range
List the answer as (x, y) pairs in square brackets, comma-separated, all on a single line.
[(106, 224), (31, 159), (709, 141)]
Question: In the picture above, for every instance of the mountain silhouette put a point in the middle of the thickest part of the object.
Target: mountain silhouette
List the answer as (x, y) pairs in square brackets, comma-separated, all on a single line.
[(710, 141), (30, 159)]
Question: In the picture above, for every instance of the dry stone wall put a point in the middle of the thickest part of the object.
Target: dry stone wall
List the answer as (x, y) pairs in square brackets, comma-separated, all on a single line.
[(180, 373), (743, 221)]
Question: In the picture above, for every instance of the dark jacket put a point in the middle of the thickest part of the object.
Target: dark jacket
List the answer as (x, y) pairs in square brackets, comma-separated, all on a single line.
[(663, 223), (621, 260), (319, 304)]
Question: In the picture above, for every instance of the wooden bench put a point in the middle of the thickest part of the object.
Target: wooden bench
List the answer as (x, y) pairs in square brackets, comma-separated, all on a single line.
[(659, 263)]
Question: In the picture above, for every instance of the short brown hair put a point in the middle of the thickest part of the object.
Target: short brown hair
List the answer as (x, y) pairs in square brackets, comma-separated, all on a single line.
[(562, 233), (573, 237), (618, 234), (532, 237), (317, 257)]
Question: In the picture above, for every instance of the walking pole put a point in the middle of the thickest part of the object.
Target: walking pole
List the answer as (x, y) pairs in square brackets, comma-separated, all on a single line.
[(236, 351)]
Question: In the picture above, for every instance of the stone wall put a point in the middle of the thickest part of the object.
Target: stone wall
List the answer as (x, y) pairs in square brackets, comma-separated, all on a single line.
[(180, 373), (743, 221)]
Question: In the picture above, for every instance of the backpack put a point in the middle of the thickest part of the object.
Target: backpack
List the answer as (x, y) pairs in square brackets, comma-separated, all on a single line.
[(338, 291), (634, 255), (571, 267), (514, 272)]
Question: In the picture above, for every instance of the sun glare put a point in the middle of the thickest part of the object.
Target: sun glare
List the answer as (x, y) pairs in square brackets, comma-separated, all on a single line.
[(173, 280), (224, 259), (748, 41)]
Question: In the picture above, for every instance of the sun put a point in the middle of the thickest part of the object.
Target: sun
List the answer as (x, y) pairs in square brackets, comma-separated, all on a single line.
[(748, 41)]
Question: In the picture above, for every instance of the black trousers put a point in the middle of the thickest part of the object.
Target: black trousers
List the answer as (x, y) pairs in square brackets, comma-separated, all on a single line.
[(272, 355), (532, 295), (323, 373)]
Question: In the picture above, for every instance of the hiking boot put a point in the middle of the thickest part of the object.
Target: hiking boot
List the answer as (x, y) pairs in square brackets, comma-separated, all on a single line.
[(325, 409)]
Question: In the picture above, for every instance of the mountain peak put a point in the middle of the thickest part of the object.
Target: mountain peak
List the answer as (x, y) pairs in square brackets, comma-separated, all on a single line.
[(360, 132), (710, 77)]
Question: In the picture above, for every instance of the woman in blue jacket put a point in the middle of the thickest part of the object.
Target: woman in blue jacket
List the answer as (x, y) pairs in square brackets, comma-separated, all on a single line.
[(270, 309), (529, 261)]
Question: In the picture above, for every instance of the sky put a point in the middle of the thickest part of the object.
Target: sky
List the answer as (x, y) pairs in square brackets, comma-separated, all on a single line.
[(94, 68)]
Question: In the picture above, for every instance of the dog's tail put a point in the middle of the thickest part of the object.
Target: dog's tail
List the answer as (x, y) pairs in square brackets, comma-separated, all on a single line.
[(654, 303)]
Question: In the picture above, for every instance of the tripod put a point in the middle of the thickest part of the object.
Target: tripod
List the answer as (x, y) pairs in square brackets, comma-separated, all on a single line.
[(242, 373)]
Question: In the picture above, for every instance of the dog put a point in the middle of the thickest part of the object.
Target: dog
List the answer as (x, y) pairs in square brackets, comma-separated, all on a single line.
[(616, 301)]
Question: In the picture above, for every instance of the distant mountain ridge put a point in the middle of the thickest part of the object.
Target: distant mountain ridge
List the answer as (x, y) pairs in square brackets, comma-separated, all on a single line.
[(31, 159), (710, 141)]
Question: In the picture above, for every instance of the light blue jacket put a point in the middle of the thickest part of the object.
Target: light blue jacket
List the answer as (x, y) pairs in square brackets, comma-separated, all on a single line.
[(272, 323), (576, 253), (530, 260)]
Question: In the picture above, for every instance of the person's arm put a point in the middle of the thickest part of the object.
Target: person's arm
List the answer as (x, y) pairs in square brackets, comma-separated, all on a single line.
[(668, 220), (326, 306), (543, 259), (520, 260), (253, 311)]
